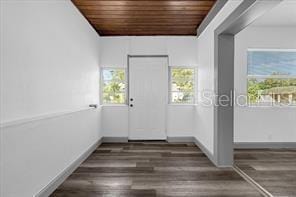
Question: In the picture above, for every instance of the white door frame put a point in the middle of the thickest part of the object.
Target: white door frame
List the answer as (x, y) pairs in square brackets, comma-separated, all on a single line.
[(128, 88)]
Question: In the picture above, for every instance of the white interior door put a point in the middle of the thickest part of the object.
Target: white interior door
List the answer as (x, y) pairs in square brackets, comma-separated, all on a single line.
[(148, 90)]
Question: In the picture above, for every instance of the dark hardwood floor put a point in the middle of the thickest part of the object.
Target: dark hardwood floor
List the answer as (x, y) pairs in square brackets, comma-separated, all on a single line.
[(151, 169), (273, 169)]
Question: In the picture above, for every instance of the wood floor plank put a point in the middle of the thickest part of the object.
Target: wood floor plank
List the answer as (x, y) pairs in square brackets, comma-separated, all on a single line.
[(273, 169), (152, 169), (106, 193)]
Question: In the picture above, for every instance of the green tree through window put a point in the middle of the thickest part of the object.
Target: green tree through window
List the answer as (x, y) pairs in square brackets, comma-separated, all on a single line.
[(272, 76), (114, 86), (182, 85)]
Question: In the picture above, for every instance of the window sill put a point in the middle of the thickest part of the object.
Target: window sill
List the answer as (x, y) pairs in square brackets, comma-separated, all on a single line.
[(114, 105), (274, 107), (180, 104)]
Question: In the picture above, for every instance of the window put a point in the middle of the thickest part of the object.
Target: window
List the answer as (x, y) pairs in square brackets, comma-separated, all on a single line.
[(182, 85), (113, 86), (272, 77)]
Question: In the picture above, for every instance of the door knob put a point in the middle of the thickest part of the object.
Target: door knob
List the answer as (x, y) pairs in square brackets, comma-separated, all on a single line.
[(131, 105), (131, 99)]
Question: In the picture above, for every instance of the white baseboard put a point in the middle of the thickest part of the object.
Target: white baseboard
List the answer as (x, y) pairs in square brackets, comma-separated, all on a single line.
[(169, 139), (206, 151), (115, 139), (180, 139), (59, 179), (254, 145)]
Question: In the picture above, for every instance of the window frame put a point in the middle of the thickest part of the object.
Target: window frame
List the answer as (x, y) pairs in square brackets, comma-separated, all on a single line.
[(170, 85), (266, 104), (102, 85)]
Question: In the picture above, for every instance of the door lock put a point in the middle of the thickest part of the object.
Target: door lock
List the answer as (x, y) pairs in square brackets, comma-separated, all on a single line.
[(131, 105)]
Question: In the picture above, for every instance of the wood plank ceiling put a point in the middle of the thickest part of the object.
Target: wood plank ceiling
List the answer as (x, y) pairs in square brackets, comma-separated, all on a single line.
[(145, 17)]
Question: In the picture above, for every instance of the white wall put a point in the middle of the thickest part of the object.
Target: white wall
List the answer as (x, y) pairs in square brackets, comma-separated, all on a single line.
[(204, 128), (262, 124), (181, 51), (180, 120), (49, 65), (115, 121)]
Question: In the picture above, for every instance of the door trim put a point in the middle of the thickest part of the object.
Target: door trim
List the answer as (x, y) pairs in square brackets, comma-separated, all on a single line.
[(128, 88)]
